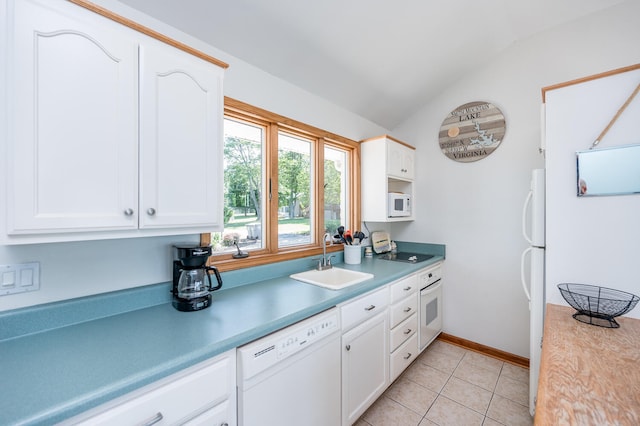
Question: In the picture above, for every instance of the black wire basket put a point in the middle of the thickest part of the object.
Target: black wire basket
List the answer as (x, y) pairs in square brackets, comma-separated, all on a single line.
[(597, 305)]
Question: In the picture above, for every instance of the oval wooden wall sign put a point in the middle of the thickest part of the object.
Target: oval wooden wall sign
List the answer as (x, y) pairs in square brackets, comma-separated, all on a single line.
[(472, 131)]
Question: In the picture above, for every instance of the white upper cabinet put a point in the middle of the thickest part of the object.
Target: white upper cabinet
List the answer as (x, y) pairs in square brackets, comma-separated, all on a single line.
[(387, 166), (110, 133), (72, 146), (181, 114), (400, 159)]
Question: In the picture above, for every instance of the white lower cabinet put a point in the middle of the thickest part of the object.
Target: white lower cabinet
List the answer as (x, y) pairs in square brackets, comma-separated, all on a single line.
[(204, 394), (365, 353), (403, 325)]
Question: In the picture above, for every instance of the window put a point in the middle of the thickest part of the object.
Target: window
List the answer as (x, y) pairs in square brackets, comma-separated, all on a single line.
[(295, 192), (286, 184), (244, 143)]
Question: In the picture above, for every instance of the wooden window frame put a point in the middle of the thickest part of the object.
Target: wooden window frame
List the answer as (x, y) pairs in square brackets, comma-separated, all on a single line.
[(275, 123)]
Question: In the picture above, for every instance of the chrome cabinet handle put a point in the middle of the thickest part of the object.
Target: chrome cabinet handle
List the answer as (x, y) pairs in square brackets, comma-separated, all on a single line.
[(407, 288), (408, 356), (407, 309), (155, 419), (370, 308), (408, 331), (128, 212), (348, 347), (151, 211)]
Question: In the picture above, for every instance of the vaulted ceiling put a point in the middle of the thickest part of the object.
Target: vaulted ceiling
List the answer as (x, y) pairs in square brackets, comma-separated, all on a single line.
[(381, 59)]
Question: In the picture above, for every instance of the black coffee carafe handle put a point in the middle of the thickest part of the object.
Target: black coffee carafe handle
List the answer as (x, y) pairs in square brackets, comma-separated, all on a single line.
[(215, 271)]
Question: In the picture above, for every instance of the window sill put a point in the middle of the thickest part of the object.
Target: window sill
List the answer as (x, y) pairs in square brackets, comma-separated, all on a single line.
[(227, 263)]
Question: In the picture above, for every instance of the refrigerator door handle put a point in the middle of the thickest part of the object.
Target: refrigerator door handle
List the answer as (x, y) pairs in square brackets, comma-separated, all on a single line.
[(522, 278), (525, 209)]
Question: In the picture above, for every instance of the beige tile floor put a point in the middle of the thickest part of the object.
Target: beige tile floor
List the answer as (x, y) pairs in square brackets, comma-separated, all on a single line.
[(449, 385)]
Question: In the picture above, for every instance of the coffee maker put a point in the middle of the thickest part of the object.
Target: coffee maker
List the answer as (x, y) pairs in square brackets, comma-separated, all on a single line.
[(192, 284)]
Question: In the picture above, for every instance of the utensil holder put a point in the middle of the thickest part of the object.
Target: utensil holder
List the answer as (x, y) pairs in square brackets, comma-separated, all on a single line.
[(352, 254)]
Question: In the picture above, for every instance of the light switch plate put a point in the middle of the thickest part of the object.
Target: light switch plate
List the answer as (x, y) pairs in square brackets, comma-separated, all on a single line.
[(19, 278)]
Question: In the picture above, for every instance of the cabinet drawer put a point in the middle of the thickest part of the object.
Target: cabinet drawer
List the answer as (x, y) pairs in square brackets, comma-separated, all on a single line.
[(216, 416), (403, 356), (403, 331), (403, 288), (172, 400), (357, 311), (403, 310)]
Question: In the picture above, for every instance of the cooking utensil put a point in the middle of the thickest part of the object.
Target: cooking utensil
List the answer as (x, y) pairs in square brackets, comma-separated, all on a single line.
[(348, 237)]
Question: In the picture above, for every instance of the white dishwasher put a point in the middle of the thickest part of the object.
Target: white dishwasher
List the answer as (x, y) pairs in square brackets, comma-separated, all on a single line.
[(292, 377)]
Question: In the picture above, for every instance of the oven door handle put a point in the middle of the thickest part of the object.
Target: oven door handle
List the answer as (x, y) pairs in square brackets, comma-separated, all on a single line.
[(431, 288)]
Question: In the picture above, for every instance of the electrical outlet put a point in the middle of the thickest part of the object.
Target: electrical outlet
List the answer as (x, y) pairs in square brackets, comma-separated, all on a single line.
[(19, 278)]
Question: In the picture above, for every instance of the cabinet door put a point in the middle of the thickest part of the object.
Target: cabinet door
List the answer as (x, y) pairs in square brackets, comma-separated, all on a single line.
[(181, 110), (72, 140), (365, 366), (408, 160), (400, 160)]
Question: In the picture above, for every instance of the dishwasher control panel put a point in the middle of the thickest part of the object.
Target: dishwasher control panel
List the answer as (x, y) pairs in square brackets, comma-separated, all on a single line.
[(302, 338), (259, 355)]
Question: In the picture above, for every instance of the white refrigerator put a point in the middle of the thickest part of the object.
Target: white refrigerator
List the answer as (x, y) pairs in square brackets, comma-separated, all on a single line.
[(532, 277)]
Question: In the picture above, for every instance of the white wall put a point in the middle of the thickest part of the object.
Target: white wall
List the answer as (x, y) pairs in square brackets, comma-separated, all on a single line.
[(591, 240), (77, 269), (475, 208)]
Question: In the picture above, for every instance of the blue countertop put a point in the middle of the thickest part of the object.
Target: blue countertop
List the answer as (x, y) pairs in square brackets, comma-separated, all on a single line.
[(55, 373)]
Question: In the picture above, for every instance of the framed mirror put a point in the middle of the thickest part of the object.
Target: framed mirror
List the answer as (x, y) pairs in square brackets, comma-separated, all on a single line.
[(608, 171)]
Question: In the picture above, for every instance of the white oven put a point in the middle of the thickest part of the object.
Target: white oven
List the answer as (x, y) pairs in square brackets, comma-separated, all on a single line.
[(430, 305)]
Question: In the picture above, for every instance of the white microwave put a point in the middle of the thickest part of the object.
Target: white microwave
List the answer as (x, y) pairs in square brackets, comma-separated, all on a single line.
[(399, 205)]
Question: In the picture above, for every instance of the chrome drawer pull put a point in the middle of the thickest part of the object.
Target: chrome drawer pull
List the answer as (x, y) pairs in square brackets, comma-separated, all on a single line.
[(370, 308), (408, 331), (128, 212), (158, 417), (408, 356), (407, 288), (407, 310)]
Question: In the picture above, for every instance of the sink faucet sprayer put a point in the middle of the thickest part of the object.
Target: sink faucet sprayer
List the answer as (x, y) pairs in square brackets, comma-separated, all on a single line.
[(325, 263)]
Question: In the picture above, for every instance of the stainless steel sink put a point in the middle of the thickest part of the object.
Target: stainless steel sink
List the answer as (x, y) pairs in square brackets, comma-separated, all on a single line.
[(334, 278)]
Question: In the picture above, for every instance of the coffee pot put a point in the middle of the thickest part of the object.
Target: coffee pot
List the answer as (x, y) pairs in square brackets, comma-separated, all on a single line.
[(192, 284)]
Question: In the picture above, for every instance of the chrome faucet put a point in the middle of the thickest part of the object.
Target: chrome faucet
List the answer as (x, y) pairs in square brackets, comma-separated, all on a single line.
[(325, 263)]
